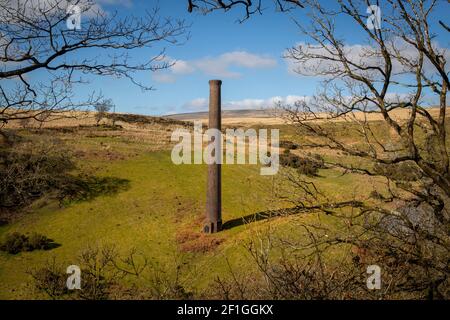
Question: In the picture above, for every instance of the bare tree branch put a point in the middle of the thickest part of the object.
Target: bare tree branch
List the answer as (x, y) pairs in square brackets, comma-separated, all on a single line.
[(34, 36)]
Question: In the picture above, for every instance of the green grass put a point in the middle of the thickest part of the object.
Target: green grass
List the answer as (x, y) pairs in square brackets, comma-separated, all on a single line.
[(161, 198), (160, 201)]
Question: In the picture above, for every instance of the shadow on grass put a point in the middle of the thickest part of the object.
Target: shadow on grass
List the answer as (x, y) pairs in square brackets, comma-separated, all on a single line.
[(327, 208), (262, 215), (52, 245), (86, 188), (16, 242), (48, 246)]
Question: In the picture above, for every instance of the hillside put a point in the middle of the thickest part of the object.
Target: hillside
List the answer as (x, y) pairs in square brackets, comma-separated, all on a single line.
[(137, 198), (275, 117)]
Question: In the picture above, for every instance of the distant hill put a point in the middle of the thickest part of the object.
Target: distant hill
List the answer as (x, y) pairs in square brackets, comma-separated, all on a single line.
[(246, 113), (274, 117)]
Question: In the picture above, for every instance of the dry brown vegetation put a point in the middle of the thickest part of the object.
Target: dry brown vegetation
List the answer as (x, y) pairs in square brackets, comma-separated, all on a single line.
[(276, 117)]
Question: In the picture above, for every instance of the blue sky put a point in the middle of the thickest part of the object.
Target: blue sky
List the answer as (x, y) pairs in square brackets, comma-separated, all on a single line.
[(247, 57)]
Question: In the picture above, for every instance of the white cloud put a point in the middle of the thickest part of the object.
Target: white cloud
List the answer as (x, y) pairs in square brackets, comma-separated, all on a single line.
[(33, 9), (201, 104), (164, 77), (182, 67), (198, 104), (220, 66), (247, 60), (364, 55), (215, 68), (169, 112), (244, 104), (312, 66), (178, 68), (290, 99), (52, 7), (125, 3)]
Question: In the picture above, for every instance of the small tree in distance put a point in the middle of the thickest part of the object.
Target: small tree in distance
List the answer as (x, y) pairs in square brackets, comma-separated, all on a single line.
[(102, 108)]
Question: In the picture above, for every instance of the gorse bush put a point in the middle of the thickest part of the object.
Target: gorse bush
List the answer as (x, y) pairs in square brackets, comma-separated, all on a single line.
[(37, 241), (286, 144), (403, 171), (374, 194), (306, 166), (14, 243), (44, 166), (30, 169), (17, 242)]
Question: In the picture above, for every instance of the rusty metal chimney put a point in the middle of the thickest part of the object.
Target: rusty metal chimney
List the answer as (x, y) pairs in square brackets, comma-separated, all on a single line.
[(214, 183)]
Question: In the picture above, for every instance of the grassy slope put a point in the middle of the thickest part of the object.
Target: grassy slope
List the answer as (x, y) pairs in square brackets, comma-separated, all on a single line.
[(161, 197), (162, 202)]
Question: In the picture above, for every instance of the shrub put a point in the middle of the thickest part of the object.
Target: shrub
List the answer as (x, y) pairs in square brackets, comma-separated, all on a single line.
[(286, 144), (17, 242), (30, 169), (288, 159), (403, 171), (317, 157), (50, 279), (376, 195), (38, 241), (105, 274), (14, 243), (43, 166), (306, 166)]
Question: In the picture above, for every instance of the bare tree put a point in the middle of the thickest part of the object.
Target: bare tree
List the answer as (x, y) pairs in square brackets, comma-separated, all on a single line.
[(44, 59), (377, 94), (250, 7), (393, 77), (402, 54), (108, 274), (102, 108)]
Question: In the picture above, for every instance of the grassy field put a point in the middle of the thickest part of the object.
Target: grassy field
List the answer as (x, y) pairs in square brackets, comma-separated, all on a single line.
[(159, 208), (159, 212), (162, 200)]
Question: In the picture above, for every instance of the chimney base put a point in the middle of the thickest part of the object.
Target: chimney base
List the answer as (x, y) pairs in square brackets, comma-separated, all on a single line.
[(213, 227)]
